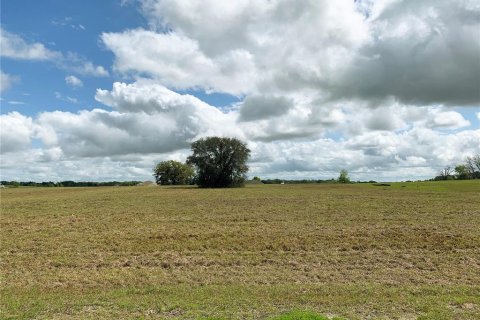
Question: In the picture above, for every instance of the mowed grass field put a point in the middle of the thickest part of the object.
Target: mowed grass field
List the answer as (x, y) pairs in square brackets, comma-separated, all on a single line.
[(409, 251)]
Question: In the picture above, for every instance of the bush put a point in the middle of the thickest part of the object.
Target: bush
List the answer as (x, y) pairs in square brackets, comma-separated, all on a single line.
[(173, 173)]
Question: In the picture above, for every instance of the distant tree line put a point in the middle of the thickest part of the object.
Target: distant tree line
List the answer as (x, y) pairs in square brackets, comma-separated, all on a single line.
[(470, 169), (279, 181), (69, 183), (306, 181)]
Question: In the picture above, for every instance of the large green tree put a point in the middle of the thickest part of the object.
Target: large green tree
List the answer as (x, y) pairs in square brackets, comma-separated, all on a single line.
[(220, 162), (173, 173)]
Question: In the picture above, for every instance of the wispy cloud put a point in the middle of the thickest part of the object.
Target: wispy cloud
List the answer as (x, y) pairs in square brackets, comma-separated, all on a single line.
[(77, 64), (67, 22), (16, 102), (73, 81), (15, 47), (59, 96), (7, 80)]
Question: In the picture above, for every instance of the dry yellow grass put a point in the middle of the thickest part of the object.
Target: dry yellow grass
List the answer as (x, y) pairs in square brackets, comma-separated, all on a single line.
[(356, 251)]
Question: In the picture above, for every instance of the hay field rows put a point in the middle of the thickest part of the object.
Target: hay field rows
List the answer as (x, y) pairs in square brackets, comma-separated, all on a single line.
[(356, 251)]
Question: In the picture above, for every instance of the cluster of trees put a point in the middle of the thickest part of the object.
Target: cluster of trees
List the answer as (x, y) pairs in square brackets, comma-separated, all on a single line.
[(470, 169), (216, 162), (68, 183)]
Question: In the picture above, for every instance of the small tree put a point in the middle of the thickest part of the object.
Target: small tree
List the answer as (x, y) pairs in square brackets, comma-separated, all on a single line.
[(473, 166), (462, 172), (220, 162), (343, 177), (445, 173), (173, 173)]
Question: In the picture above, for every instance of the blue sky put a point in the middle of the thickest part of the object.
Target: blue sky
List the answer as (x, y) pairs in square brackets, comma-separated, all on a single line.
[(312, 87), (69, 26), (57, 25)]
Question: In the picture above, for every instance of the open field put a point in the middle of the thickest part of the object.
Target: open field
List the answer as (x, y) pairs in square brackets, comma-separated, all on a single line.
[(407, 251)]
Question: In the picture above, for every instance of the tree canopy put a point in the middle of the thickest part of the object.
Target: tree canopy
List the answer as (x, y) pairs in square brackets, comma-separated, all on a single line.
[(220, 162), (470, 169), (173, 173), (343, 177)]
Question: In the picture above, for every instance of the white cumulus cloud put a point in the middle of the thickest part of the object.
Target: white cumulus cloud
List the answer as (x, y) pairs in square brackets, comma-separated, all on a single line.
[(375, 87), (16, 131), (448, 119)]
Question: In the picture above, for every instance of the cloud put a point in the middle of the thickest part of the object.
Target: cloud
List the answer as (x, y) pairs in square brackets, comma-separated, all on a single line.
[(147, 118), (7, 80), (72, 100), (409, 41), (176, 61), (376, 87), (59, 96), (382, 119), (67, 21), (74, 63), (52, 165), (150, 121), (83, 67), (302, 68), (100, 133), (62, 22), (73, 81), (447, 119), (414, 154), (262, 107), (16, 132), (338, 50), (274, 46), (14, 102), (14, 47), (113, 141)]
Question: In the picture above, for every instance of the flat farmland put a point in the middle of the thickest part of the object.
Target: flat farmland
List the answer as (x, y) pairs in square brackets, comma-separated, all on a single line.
[(407, 251)]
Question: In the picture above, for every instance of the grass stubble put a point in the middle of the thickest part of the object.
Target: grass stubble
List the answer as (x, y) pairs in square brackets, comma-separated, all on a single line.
[(409, 251)]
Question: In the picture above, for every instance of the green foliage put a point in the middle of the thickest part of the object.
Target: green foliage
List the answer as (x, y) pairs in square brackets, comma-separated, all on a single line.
[(343, 177), (472, 164), (462, 172), (173, 173), (470, 169), (220, 162)]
